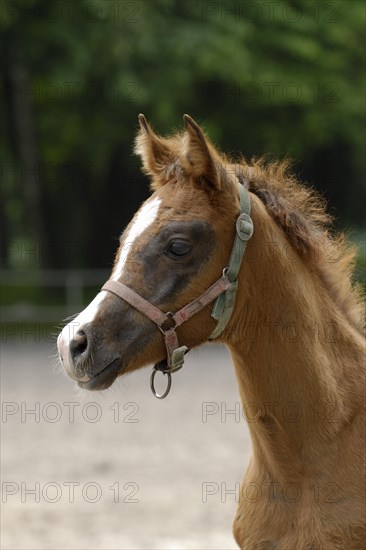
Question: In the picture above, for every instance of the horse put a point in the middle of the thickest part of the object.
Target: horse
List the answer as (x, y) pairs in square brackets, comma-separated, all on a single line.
[(240, 252)]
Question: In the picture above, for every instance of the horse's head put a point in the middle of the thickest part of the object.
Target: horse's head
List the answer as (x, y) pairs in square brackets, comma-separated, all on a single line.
[(175, 247)]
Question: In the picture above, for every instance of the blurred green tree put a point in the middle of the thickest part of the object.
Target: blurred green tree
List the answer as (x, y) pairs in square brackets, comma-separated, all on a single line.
[(279, 77)]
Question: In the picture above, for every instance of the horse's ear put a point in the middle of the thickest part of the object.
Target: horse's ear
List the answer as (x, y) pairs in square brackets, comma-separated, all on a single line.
[(205, 162), (155, 153)]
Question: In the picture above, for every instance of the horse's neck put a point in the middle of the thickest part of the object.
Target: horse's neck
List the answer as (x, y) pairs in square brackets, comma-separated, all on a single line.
[(299, 362)]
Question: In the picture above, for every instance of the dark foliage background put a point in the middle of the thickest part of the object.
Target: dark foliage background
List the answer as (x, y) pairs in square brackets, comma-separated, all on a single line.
[(279, 78)]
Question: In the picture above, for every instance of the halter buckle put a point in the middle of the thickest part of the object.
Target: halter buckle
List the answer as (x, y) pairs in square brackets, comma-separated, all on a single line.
[(244, 226)]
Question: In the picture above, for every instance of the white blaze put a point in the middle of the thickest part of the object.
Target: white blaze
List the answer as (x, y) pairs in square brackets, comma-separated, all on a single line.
[(143, 219)]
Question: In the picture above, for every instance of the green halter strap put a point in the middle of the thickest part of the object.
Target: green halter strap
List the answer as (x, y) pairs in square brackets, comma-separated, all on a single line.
[(224, 304)]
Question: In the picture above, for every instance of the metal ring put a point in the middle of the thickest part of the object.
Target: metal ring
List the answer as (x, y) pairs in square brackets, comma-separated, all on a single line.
[(169, 317), (152, 386)]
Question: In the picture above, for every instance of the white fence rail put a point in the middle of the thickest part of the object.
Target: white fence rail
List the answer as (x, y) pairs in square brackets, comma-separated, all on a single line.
[(73, 282)]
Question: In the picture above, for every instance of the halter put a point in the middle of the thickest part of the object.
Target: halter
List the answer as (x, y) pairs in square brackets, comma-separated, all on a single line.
[(223, 291)]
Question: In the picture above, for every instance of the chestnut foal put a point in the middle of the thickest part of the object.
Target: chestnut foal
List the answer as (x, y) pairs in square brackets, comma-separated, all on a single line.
[(191, 269)]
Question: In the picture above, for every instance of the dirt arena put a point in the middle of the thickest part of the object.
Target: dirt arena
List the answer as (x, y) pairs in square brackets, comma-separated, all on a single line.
[(119, 469)]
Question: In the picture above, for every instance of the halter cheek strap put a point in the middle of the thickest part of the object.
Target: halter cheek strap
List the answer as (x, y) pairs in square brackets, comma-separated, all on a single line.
[(224, 304), (223, 291)]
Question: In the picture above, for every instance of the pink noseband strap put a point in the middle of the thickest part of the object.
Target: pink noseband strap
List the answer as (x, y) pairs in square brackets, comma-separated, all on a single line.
[(136, 301), (175, 354)]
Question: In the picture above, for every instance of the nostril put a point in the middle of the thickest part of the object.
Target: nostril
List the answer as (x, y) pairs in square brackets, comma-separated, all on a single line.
[(78, 344)]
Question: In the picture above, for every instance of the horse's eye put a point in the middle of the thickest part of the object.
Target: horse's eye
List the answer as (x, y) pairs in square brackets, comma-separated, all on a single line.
[(178, 248)]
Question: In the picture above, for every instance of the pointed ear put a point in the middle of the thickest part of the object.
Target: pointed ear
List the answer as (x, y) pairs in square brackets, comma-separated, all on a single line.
[(155, 152), (205, 162)]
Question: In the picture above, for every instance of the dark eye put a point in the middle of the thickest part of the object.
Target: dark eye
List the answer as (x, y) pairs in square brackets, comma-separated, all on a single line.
[(178, 248)]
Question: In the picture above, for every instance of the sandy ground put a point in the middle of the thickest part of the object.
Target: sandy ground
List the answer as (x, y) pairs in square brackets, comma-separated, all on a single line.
[(119, 469)]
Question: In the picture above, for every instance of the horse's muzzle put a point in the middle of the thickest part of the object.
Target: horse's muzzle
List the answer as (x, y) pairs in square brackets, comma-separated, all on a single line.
[(73, 354), (92, 369)]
